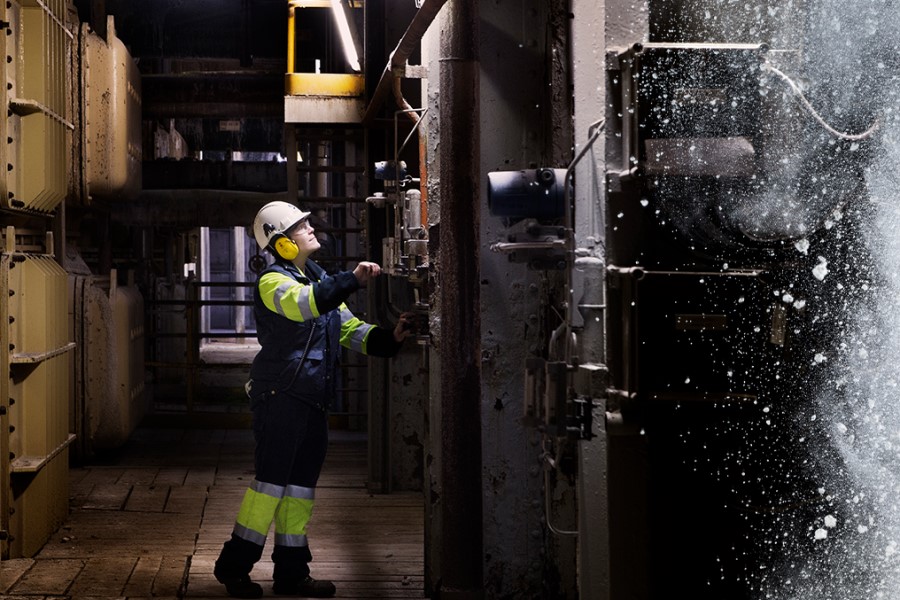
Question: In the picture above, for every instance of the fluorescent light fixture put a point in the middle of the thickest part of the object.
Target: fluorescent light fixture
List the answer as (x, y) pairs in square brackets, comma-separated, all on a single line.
[(346, 39)]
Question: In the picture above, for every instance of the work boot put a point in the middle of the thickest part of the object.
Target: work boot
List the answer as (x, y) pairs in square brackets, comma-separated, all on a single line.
[(240, 587), (234, 565), (306, 587)]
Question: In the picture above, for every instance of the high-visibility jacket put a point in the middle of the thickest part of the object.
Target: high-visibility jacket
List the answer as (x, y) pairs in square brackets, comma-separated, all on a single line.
[(301, 318)]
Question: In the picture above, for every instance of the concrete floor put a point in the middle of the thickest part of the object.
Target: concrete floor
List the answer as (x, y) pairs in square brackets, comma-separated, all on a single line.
[(150, 521)]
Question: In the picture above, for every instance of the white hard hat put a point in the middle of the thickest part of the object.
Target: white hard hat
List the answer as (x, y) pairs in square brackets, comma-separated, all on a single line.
[(274, 218)]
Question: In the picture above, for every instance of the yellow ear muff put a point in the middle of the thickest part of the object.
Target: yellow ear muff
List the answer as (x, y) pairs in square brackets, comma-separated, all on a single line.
[(285, 247)]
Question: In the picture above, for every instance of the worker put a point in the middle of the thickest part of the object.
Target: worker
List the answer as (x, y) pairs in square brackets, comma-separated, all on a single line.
[(300, 319)]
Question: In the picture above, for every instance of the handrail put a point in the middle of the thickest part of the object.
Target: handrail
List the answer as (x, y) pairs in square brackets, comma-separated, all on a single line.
[(192, 363)]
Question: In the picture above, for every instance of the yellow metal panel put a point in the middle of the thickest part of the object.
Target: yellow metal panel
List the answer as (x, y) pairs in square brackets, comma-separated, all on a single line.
[(310, 3), (37, 122), (115, 400), (37, 308), (35, 386), (324, 84), (128, 310), (40, 414), (5, 404), (112, 130), (41, 506)]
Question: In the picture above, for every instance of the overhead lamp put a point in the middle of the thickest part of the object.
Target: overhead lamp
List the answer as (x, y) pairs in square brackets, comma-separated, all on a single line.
[(343, 25)]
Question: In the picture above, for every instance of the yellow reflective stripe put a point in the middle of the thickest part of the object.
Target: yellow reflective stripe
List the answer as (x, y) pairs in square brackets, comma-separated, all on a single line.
[(256, 512), (288, 297), (354, 332), (292, 515)]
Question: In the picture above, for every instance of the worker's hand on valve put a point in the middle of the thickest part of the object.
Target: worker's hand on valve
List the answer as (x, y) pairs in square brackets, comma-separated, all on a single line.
[(405, 326), (366, 271)]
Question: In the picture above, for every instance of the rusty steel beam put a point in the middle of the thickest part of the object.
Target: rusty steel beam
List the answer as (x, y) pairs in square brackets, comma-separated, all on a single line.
[(459, 293), (405, 47), (223, 175), (213, 95)]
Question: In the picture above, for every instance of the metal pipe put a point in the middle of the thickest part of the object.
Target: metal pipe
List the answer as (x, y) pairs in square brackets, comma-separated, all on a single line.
[(405, 47), (461, 561), (291, 37), (507, 247), (417, 119), (594, 131), (552, 463)]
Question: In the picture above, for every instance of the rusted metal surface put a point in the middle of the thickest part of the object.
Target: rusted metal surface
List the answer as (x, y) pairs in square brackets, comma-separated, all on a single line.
[(332, 109), (225, 95), (405, 47), (460, 345), (112, 117)]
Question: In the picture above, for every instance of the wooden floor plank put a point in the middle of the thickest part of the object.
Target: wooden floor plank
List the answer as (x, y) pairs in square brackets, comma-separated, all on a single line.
[(171, 476), (102, 475), (48, 577), (107, 496), (152, 525), (11, 571), (147, 498), (140, 583), (103, 576), (189, 499), (139, 475), (171, 579), (201, 476)]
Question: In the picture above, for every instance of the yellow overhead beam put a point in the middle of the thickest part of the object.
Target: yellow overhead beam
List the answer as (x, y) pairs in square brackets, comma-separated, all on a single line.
[(324, 84)]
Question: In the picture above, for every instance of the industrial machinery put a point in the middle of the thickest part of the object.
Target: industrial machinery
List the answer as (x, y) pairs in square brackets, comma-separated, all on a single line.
[(74, 109)]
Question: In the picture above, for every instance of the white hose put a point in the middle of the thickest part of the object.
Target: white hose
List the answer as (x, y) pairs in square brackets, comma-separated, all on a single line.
[(844, 136)]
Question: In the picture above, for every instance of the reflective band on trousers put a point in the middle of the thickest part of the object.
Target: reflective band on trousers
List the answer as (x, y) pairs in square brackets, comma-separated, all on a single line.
[(289, 506)]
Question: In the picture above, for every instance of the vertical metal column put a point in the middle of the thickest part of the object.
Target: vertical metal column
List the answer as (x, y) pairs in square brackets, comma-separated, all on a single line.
[(589, 79), (460, 342)]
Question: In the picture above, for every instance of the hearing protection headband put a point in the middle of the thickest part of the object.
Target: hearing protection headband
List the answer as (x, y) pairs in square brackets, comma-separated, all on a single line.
[(281, 244)]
